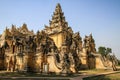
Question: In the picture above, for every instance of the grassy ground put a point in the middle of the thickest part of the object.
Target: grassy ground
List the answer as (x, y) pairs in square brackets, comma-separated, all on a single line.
[(115, 76), (11, 75), (25, 74), (35, 76), (95, 71)]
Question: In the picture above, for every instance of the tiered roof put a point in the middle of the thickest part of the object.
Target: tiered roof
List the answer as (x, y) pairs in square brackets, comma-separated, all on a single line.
[(58, 22), (58, 18)]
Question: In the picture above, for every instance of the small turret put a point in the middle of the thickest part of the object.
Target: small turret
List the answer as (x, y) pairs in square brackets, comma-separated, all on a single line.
[(6, 33)]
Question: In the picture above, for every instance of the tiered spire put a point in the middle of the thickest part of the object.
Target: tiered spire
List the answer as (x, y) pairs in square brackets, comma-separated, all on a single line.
[(58, 18)]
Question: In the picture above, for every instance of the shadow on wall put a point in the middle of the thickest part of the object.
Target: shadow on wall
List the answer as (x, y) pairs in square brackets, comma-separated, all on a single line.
[(91, 61)]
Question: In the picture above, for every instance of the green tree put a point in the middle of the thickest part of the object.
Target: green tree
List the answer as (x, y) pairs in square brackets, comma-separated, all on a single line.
[(102, 50), (108, 50)]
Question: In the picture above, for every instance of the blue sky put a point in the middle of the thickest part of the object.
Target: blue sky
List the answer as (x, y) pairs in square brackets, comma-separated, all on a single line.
[(99, 17)]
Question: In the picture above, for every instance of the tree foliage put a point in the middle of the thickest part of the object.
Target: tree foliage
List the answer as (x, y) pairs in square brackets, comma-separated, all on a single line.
[(104, 51), (108, 50)]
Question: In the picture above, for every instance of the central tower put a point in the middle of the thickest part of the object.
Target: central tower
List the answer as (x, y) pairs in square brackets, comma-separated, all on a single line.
[(57, 26)]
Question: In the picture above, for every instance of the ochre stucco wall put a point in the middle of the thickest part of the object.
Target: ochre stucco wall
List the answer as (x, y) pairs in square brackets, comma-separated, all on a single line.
[(58, 39)]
